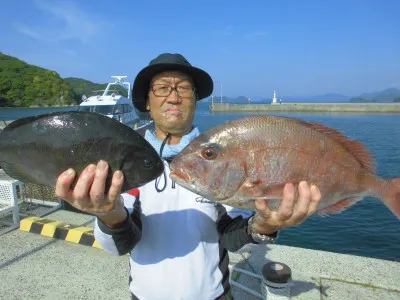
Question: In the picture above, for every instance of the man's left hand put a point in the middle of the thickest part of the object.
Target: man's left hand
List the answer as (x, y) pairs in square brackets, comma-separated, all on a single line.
[(291, 211)]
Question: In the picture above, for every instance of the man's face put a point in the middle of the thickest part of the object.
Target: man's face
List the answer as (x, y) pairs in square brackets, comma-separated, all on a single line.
[(173, 113)]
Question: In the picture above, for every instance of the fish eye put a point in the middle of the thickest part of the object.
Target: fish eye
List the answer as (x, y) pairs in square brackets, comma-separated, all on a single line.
[(209, 153), (148, 164)]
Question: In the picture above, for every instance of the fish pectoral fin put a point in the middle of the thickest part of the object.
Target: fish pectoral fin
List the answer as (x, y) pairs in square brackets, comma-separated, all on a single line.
[(267, 198), (273, 202), (247, 204), (12, 171), (256, 189), (339, 206)]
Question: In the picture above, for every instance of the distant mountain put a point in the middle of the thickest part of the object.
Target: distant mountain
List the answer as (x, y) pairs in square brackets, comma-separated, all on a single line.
[(22, 85), (388, 95), (325, 98), (331, 98), (89, 88), (218, 99), (239, 100), (361, 100)]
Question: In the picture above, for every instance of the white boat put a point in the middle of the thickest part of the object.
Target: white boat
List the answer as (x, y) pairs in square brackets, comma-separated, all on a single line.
[(116, 106)]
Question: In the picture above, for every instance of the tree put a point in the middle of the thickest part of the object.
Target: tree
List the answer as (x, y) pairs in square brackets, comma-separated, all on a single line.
[(22, 84)]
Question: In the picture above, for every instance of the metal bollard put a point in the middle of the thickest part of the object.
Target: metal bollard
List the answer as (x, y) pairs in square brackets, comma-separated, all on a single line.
[(276, 282)]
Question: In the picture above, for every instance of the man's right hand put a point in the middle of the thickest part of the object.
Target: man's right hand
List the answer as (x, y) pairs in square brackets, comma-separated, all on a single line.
[(89, 192)]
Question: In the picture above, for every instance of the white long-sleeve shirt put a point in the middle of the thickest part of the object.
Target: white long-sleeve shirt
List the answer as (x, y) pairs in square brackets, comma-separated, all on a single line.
[(177, 242)]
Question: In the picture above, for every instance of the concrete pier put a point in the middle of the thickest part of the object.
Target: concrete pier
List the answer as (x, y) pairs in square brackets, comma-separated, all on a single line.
[(308, 107), (34, 266)]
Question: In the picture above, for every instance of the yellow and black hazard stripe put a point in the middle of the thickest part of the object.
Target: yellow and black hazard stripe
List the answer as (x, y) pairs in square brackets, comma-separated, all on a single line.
[(54, 229)]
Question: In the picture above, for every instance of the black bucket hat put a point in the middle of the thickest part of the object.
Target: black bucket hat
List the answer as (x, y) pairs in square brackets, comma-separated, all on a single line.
[(169, 62)]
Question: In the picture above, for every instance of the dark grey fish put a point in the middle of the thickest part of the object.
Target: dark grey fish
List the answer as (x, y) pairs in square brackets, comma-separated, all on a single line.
[(38, 149)]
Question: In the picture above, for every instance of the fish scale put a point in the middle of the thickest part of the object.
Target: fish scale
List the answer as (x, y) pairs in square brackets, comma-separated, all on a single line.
[(38, 149), (266, 152)]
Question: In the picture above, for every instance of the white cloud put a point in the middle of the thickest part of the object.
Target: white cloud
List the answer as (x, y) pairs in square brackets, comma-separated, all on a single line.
[(256, 34), (65, 20), (28, 31)]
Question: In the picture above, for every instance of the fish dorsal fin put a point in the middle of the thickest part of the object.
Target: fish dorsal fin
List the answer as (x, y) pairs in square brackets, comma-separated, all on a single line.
[(23, 121), (20, 122), (357, 149)]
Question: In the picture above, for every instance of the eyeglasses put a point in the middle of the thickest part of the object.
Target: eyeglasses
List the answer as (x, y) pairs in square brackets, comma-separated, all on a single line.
[(162, 90)]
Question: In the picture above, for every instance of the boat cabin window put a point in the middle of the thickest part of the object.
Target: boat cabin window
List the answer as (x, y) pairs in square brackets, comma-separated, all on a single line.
[(119, 109), (102, 109), (107, 109), (113, 92), (117, 91), (127, 108)]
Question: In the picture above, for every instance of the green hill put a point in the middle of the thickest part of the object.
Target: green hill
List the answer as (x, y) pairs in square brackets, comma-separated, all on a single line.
[(88, 88), (388, 95), (23, 85)]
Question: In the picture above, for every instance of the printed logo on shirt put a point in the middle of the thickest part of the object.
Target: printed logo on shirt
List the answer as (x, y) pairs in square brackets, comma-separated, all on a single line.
[(202, 200)]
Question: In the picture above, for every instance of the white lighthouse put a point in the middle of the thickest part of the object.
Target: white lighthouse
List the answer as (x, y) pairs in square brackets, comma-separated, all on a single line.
[(274, 100)]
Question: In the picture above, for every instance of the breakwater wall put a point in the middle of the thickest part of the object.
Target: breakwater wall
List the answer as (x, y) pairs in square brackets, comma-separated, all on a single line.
[(309, 107)]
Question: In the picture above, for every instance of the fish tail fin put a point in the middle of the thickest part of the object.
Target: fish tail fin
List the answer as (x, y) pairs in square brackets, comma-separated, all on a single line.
[(390, 195)]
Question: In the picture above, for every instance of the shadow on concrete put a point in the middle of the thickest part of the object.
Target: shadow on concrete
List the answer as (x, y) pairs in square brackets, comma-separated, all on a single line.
[(253, 258), (26, 254), (300, 287), (34, 250)]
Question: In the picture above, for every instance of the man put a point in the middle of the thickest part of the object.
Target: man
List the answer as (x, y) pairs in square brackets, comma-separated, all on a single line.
[(178, 243)]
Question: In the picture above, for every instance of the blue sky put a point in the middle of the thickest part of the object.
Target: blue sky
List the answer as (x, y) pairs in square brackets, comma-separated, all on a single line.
[(298, 48)]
